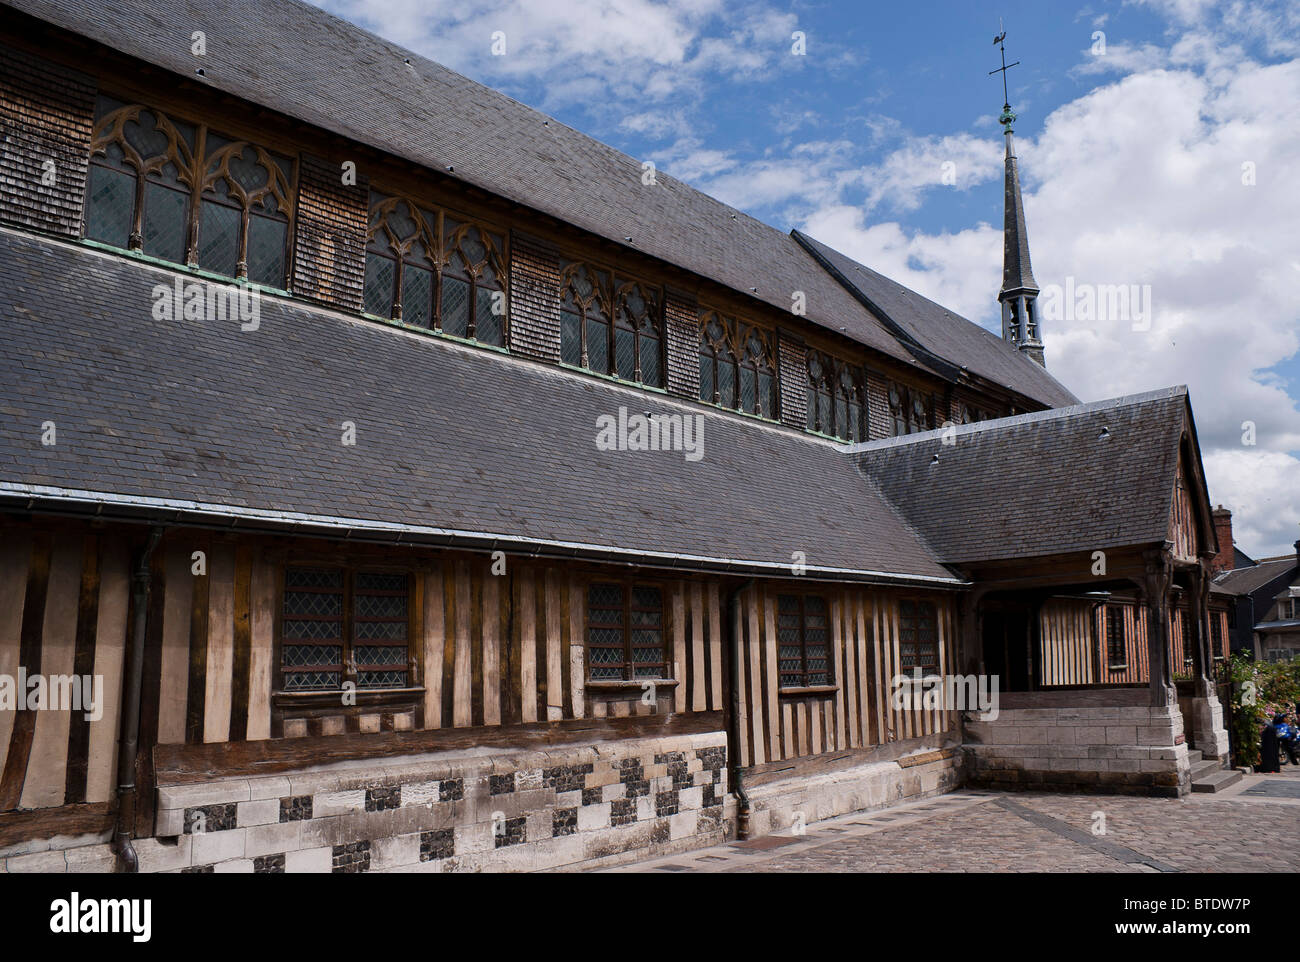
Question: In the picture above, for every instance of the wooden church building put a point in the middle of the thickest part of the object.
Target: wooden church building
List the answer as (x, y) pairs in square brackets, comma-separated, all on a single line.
[(391, 480)]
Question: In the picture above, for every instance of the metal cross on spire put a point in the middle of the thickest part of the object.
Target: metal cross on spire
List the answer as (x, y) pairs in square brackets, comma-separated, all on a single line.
[(1007, 116)]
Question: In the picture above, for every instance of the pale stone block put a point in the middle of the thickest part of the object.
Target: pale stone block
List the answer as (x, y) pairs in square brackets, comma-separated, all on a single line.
[(91, 858), (645, 809), (388, 853), (338, 803), (421, 793), (333, 725), (212, 847), (273, 839), (209, 793), (1123, 765), (309, 860), (264, 811), (1121, 735), (45, 862), (1061, 735), (156, 856), (234, 866), (610, 792), (268, 786), (591, 817), (170, 821)]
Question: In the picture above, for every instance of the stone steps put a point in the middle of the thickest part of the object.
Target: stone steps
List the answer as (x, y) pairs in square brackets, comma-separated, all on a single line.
[(1195, 755), (1202, 768), (1217, 781)]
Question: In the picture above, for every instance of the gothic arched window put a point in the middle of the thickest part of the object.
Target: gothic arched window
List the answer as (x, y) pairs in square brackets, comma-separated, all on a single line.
[(472, 303), (637, 342), (141, 178), (610, 326), (737, 366), (584, 317), (401, 259), (145, 170), (457, 288), (909, 410), (243, 223), (837, 395)]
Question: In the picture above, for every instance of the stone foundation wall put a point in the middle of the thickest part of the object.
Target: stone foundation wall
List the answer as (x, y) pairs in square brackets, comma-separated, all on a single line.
[(1205, 725), (1131, 750), (484, 810), (777, 806)]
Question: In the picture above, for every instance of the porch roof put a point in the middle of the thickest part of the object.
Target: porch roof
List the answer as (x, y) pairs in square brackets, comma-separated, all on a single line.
[(1080, 478)]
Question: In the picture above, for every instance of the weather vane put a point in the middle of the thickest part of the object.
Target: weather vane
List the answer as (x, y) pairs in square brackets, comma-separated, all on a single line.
[(1007, 116)]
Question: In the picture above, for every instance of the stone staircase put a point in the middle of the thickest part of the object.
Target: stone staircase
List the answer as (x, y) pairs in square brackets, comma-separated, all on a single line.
[(1209, 774)]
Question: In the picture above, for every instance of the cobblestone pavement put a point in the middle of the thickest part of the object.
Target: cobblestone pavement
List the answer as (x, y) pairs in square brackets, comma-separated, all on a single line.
[(1031, 832)]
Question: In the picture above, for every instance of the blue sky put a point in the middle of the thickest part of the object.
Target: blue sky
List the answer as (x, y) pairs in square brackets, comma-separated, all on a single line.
[(1136, 148)]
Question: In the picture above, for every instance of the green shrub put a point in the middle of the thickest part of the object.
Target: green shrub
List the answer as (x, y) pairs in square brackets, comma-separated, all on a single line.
[(1260, 690)]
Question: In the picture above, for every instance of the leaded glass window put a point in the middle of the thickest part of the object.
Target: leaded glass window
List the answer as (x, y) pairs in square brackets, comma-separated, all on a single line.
[(342, 626), (1116, 650), (611, 325), (918, 636), (910, 410), (183, 193), (428, 270), (803, 643), (141, 179), (837, 398), (472, 302), (625, 632), (737, 366)]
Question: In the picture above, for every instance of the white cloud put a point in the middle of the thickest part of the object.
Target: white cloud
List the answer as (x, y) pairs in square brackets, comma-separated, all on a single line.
[(1141, 182)]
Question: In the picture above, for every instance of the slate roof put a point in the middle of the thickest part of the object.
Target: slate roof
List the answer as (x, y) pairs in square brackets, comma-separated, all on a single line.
[(1038, 484), (449, 437), (939, 331), (1245, 581), (303, 62)]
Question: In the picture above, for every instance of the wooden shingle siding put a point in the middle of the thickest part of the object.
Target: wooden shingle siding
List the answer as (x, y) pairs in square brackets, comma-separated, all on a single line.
[(46, 113), (879, 424), (534, 298), (792, 376), (682, 335), (329, 260)]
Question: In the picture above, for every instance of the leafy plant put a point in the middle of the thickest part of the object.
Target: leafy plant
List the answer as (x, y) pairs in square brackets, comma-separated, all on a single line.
[(1260, 690)]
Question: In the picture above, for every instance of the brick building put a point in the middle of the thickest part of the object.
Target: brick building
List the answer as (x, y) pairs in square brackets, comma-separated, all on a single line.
[(426, 491)]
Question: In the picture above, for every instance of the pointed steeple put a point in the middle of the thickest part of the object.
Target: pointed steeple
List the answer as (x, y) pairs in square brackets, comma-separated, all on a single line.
[(1019, 289)]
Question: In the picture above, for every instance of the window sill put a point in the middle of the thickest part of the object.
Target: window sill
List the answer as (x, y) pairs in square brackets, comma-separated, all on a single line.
[(813, 690), (638, 685), (1117, 667), (363, 697)]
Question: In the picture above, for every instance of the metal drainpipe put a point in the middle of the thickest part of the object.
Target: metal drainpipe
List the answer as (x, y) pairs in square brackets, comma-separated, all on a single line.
[(128, 743), (737, 779)]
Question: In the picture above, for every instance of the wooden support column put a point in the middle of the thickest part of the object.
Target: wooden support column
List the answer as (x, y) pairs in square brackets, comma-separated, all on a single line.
[(1198, 610), (971, 639), (1156, 590)]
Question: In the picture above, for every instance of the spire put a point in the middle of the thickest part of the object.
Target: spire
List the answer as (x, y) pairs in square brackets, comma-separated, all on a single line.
[(1019, 289)]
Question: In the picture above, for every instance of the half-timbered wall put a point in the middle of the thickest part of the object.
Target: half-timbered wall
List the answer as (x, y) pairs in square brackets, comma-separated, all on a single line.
[(1182, 520), (1068, 654), (858, 712), (64, 601)]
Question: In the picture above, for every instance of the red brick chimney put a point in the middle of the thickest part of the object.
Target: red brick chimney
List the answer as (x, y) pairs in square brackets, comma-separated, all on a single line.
[(1223, 529)]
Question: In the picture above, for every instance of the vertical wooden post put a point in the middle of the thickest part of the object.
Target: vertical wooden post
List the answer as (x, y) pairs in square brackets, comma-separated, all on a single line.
[(1156, 586)]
